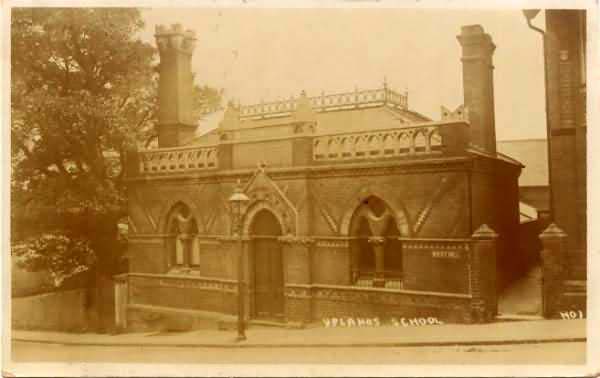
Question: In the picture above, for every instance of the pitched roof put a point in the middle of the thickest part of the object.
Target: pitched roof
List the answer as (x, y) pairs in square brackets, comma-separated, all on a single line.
[(533, 154), (350, 120), (357, 111)]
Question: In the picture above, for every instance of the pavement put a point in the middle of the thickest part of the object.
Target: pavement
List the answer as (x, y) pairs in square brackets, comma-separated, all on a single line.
[(497, 333)]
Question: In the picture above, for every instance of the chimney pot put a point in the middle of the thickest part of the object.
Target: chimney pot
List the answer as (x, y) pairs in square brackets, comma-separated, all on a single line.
[(471, 29)]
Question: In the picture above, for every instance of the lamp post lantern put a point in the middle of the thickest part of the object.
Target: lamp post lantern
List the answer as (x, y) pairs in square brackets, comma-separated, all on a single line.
[(237, 200)]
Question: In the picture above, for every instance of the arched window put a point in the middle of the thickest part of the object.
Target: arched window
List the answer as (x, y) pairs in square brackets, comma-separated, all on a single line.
[(183, 236), (374, 230)]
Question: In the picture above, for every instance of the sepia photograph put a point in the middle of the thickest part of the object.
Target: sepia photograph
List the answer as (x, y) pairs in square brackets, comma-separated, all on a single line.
[(350, 185)]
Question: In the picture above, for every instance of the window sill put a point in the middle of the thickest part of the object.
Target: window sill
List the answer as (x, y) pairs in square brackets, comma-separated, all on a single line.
[(184, 270), (389, 283)]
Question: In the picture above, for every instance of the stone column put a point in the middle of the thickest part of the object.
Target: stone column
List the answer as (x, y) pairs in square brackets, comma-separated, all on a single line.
[(121, 301), (186, 240), (484, 303), (378, 244), (554, 241)]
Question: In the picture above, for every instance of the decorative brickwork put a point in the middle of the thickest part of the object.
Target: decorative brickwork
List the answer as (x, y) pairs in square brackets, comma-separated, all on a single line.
[(378, 144), (178, 160), (434, 189)]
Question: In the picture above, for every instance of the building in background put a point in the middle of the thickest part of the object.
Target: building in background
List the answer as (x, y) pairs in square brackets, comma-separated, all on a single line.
[(534, 186), (564, 40)]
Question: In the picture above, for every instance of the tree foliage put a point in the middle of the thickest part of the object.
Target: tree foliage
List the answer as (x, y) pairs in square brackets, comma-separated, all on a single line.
[(84, 91)]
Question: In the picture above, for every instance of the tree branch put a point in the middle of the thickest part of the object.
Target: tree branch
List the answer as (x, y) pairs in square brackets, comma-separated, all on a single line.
[(30, 157), (149, 140)]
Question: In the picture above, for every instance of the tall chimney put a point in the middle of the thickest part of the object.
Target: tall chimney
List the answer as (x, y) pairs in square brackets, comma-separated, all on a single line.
[(478, 85), (176, 124)]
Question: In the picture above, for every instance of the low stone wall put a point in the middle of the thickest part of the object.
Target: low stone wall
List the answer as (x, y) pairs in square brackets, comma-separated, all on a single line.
[(453, 280), (58, 311), (308, 304), (161, 302), (193, 293)]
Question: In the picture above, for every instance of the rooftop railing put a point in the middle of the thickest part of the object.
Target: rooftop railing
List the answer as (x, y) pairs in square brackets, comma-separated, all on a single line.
[(357, 98), (178, 159), (426, 140), (423, 140)]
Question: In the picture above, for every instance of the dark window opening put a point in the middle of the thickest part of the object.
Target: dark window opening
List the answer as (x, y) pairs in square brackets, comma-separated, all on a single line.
[(363, 252), (393, 252), (184, 246)]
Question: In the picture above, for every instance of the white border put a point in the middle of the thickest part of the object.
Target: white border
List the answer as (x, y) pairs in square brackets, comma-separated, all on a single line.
[(103, 369)]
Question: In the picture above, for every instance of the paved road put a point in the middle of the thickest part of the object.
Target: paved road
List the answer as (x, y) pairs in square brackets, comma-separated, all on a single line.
[(548, 353)]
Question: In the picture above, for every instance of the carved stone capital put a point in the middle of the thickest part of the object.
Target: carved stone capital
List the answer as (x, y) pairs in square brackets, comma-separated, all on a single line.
[(377, 240)]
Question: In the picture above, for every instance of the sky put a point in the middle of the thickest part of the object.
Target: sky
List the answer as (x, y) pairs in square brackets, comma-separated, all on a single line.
[(267, 54)]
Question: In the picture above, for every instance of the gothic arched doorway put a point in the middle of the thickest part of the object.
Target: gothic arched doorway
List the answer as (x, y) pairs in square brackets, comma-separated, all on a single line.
[(268, 266)]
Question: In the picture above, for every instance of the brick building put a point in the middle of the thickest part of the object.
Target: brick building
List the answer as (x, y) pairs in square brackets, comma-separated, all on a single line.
[(564, 41), (534, 188), (358, 205)]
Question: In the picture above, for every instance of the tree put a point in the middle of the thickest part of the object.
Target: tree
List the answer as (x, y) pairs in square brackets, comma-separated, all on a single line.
[(83, 93)]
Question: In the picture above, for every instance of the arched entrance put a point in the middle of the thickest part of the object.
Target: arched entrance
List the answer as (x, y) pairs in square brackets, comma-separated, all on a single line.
[(268, 266)]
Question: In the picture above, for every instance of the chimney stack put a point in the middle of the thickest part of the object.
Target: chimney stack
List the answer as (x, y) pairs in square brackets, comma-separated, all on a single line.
[(478, 85), (176, 123)]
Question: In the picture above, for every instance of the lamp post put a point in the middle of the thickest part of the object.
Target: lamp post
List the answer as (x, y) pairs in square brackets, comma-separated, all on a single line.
[(237, 199)]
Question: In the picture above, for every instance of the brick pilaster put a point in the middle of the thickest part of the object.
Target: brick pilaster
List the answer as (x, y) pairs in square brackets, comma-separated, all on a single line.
[(554, 241), (297, 275), (484, 303)]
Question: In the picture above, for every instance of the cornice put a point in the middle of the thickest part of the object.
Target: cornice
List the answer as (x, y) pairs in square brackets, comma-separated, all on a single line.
[(322, 170)]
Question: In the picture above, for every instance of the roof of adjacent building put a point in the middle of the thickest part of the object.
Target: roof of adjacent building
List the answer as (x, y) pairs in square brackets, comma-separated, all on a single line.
[(533, 154), (527, 213)]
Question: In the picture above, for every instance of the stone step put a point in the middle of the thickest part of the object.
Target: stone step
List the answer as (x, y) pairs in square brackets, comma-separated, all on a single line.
[(170, 319), (231, 323), (517, 317)]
